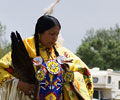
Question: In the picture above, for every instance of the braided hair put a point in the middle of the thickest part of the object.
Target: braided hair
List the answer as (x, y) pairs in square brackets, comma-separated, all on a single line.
[(43, 24)]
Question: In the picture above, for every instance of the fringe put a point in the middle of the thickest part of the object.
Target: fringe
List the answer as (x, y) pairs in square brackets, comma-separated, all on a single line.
[(9, 91)]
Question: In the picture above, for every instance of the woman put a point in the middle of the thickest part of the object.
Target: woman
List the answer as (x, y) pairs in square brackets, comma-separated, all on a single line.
[(61, 74)]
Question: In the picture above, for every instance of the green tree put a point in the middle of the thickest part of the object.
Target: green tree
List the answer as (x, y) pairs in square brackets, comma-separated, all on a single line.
[(101, 48), (4, 45)]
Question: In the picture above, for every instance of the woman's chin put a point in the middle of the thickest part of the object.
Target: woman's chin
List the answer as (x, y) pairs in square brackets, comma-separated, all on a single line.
[(49, 46)]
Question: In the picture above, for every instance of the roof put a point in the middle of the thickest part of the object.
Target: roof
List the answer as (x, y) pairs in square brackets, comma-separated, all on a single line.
[(98, 72)]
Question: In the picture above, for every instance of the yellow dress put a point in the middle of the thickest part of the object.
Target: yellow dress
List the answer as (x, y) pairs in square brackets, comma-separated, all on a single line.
[(82, 77)]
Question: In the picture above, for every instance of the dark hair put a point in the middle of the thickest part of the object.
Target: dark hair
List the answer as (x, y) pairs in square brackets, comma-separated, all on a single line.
[(43, 24), (46, 22)]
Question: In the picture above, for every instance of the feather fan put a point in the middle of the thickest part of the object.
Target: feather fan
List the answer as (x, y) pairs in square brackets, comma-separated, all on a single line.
[(21, 60)]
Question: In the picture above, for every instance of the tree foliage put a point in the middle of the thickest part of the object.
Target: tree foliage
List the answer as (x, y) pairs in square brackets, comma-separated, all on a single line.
[(101, 48), (4, 45)]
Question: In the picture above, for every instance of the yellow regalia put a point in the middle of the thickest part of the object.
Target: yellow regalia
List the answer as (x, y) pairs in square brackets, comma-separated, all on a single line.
[(82, 82)]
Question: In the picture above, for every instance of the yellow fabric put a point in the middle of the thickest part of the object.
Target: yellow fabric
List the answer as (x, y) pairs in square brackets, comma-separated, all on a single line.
[(4, 63), (82, 81), (78, 66), (30, 46)]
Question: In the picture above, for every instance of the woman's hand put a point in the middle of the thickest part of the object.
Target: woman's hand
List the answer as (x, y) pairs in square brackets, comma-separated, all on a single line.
[(25, 87)]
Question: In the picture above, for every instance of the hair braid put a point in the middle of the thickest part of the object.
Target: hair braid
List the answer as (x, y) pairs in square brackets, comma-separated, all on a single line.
[(56, 52), (37, 44)]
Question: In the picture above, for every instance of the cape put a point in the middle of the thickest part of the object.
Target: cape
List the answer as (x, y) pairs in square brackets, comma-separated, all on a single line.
[(82, 83)]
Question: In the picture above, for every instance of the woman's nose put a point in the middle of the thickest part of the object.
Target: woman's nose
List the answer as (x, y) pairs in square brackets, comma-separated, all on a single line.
[(55, 38)]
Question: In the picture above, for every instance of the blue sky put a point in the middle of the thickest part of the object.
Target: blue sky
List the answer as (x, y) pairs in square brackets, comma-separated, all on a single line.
[(75, 16)]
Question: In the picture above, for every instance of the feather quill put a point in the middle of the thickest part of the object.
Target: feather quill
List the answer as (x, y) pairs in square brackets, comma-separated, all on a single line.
[(49, 10)]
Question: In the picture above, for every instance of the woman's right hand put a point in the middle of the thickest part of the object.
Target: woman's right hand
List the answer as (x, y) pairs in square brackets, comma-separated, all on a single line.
[(25, 87)]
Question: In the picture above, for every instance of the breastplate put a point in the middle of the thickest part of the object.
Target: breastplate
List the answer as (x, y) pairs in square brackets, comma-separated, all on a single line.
[(51, 86)]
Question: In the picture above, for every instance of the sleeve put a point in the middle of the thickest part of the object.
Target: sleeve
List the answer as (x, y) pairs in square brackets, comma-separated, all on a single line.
[(83, 81), (6, 70), (82, 75)]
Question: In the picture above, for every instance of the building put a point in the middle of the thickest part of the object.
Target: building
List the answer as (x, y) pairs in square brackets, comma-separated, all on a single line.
[(106, 84)]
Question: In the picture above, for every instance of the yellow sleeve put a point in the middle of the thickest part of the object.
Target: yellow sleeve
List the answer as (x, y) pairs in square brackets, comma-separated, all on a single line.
[(4, 64), (82, 76), (5, 61), (80, 67)]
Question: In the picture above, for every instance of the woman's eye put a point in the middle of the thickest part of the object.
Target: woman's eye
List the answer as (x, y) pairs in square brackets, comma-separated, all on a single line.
[(52, 33)]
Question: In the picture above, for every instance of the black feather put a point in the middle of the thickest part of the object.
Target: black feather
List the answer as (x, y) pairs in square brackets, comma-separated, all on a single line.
[(21, 60)]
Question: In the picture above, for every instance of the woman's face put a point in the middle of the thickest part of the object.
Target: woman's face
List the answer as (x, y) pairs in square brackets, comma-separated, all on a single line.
[(49, 37)]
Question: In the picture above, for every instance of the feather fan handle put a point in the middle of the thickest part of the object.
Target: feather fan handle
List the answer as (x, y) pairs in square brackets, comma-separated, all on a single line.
[(49, 10)]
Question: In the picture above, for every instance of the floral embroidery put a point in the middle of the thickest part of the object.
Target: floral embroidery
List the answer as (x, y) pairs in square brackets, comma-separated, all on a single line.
[(89, 85), (86, 72), (10, 70), (77, 85)]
